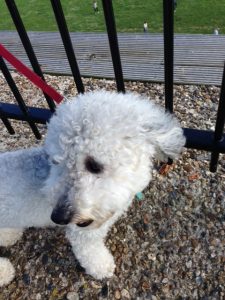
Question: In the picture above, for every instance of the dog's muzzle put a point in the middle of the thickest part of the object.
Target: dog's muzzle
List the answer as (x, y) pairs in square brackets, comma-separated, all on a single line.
[(62, 216)]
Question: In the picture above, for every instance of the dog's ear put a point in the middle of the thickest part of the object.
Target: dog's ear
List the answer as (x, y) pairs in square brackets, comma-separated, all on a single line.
[(167, 137)]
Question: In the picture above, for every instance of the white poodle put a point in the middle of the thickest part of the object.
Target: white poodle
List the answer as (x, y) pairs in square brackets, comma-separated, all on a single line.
[(97, 155)]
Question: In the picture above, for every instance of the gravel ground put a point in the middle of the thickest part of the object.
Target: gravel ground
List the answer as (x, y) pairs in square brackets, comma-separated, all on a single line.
[(169, 245)]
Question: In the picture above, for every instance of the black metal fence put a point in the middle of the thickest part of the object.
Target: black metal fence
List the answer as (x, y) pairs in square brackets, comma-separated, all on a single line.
[(213, 141)]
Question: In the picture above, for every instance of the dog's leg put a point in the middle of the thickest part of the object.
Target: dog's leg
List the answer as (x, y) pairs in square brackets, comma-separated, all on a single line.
[(9, 236), (89, 249), (7, 271)]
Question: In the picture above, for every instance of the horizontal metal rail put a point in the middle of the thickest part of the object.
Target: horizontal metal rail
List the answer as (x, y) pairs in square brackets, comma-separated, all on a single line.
[(196, 139), (38, 115), (203, 140)]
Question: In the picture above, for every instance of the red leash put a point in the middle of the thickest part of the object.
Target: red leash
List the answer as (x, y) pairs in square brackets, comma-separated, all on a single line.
[(33, 77)]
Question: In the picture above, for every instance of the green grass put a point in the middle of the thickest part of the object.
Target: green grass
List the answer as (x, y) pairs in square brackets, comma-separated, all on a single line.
[(192, 16)]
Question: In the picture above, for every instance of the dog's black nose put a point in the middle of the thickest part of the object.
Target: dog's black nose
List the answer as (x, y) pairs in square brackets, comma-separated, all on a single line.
[(61, 216)]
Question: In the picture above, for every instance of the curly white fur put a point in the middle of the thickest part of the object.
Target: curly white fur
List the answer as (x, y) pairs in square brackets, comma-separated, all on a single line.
[(9, 236), (7, 271), (97, 155)]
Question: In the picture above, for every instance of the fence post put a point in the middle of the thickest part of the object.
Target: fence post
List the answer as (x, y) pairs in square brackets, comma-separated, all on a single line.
[(168, 52), (27, 44), (61, 22), (220, 120), (113, 42)]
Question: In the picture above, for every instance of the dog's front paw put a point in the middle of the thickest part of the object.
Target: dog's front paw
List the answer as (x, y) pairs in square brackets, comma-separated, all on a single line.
[(9, 236), (7, 271), (99, 264), (102, 265)]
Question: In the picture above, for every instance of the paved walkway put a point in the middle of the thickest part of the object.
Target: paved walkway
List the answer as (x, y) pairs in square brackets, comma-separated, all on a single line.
[(198, 59)]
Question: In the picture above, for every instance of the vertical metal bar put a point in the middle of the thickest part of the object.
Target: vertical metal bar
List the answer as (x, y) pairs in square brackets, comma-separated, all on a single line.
[(18, 97), (219, 128), (113, 42), (27, 45), (214, 161), (168, 26), (63, 29), (6, 123)]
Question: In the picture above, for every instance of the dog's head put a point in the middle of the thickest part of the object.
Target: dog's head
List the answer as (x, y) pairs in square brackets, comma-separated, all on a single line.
[(101, 146)]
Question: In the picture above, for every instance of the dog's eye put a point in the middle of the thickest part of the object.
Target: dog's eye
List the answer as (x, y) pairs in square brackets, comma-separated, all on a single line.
[(55, 162), (85, 223), (93, 166)]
